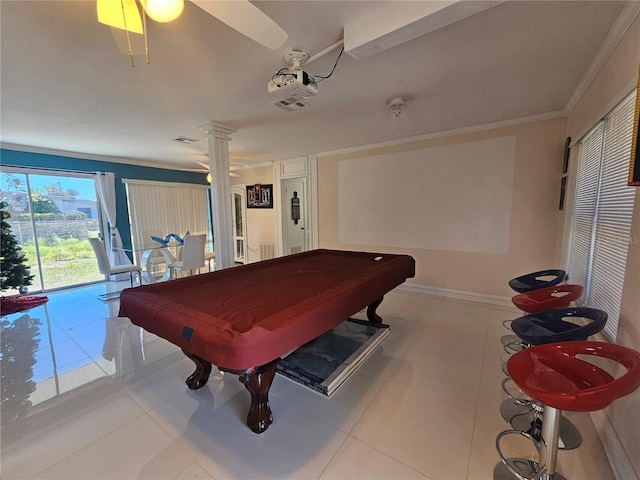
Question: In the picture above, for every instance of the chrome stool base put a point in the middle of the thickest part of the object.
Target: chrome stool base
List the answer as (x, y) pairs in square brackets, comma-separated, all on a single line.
[(522, 418), (547, 447), (526, 469)]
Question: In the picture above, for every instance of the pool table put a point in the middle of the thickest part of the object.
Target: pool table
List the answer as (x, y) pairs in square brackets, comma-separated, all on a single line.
[(243, 319)]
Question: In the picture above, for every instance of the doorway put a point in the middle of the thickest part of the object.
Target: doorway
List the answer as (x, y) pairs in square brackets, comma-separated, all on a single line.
[(294, 216), (239, 214)]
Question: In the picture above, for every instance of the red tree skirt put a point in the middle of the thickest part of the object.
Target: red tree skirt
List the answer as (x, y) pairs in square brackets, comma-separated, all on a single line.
[(9, 305)]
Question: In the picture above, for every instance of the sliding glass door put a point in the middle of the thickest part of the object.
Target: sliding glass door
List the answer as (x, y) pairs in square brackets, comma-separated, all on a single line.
[(52, 216)]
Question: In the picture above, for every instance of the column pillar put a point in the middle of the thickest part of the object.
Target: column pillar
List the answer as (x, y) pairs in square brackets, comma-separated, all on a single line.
[(219, 137)]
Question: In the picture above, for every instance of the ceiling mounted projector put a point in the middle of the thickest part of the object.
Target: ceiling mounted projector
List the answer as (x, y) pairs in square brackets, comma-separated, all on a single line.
[(292, 85)]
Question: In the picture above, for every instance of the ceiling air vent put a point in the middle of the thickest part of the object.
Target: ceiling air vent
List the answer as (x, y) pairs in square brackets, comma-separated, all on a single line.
[(291, 103), (184, 140)]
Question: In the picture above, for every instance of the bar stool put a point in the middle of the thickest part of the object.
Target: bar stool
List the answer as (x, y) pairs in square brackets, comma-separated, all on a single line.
[(551, 326), (542, 328), (549, 298), (536, 280), (540, 300), (559, 381), (530, 282)]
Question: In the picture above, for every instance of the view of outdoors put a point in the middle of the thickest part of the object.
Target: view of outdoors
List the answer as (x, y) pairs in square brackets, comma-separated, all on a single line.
[(52, 217)]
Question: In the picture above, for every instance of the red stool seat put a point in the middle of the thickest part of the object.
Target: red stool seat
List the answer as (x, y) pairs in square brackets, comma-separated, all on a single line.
[(558, 296), (553, 375)]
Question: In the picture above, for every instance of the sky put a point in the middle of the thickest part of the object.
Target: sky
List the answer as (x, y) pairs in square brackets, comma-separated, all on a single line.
[(84, 186)]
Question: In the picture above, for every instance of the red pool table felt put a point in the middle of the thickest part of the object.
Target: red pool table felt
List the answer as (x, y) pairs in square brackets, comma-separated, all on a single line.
[(250, 315)]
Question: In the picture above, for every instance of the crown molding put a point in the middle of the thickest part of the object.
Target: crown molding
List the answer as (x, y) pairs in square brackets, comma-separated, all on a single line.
[(88, 156), (620, 27), (450, 133)]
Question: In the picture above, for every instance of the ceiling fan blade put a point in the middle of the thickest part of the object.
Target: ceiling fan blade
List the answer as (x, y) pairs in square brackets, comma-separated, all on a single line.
[(206, 168), (202, 164), (120, 14), (246, 18)]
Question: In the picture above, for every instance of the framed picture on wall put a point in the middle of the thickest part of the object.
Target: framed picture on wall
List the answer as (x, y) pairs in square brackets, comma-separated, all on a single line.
[(259, 196), (634, 165)]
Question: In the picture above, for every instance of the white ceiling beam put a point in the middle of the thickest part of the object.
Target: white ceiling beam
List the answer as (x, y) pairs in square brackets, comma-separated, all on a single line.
[(395, 23)]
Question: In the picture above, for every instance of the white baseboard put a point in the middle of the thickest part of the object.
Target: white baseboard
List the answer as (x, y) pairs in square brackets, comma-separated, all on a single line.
[(618, 459), (457, 294)]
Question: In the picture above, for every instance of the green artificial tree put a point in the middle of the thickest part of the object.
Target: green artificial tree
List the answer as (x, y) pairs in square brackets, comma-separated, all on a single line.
[(14, 273)]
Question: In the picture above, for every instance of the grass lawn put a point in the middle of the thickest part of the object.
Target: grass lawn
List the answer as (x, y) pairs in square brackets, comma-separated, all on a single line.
[(64, 262)]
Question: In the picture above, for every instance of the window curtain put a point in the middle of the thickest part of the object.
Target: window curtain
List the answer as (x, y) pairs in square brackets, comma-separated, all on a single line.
[(106, 187), (161, 208), (602, 213)]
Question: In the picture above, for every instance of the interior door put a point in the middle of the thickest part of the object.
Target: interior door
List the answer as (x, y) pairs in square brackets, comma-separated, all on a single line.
[(239, 225), (294, 213)]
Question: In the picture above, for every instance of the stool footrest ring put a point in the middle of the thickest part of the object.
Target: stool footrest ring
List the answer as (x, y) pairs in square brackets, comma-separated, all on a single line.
[(519, 401), (521, 468)]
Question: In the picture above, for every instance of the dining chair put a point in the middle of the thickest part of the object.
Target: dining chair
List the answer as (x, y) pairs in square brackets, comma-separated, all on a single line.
[(210, 258), (192, 255), (155, 259), (105, 265)]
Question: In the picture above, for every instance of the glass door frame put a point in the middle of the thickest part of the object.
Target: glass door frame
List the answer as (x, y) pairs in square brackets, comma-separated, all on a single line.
[(239, 241), (37, 262)]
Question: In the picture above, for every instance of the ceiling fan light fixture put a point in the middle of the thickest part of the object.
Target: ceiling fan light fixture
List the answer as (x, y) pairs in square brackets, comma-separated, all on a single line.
[(397, 104), (122, 14), (163, 10)]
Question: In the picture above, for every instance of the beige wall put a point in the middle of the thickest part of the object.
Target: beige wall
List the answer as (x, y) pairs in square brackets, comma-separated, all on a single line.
[(619, 71), (534, 212), (261, 222), (620, 68), (624, 413)]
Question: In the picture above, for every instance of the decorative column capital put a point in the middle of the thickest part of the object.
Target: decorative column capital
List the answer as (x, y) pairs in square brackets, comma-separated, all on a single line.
[(218, 130)]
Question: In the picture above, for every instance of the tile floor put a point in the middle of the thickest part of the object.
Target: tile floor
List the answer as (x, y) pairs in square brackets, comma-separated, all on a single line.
[(87, 395)]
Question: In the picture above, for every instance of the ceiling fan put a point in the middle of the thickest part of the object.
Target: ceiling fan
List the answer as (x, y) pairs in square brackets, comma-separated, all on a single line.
[(205, 168), (241, 15)]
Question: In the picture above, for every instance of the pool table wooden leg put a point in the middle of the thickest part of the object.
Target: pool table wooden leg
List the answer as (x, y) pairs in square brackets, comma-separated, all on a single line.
[(371, 311), (200, 376), (258, 382)]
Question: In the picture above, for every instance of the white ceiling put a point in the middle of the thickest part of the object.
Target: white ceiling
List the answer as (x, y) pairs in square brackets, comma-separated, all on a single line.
[(66, 86)]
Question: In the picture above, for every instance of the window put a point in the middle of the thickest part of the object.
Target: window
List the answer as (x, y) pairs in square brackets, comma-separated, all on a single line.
[(602, 213), (52, 215), (161, 208)]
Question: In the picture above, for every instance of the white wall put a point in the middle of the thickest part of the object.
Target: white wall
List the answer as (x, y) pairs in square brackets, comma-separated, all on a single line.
[(444, 193), (523, 217)]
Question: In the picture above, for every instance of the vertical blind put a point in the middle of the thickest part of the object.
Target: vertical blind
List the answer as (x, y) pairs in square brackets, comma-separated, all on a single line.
[(602, 213), (158, 208), (584, 209)]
